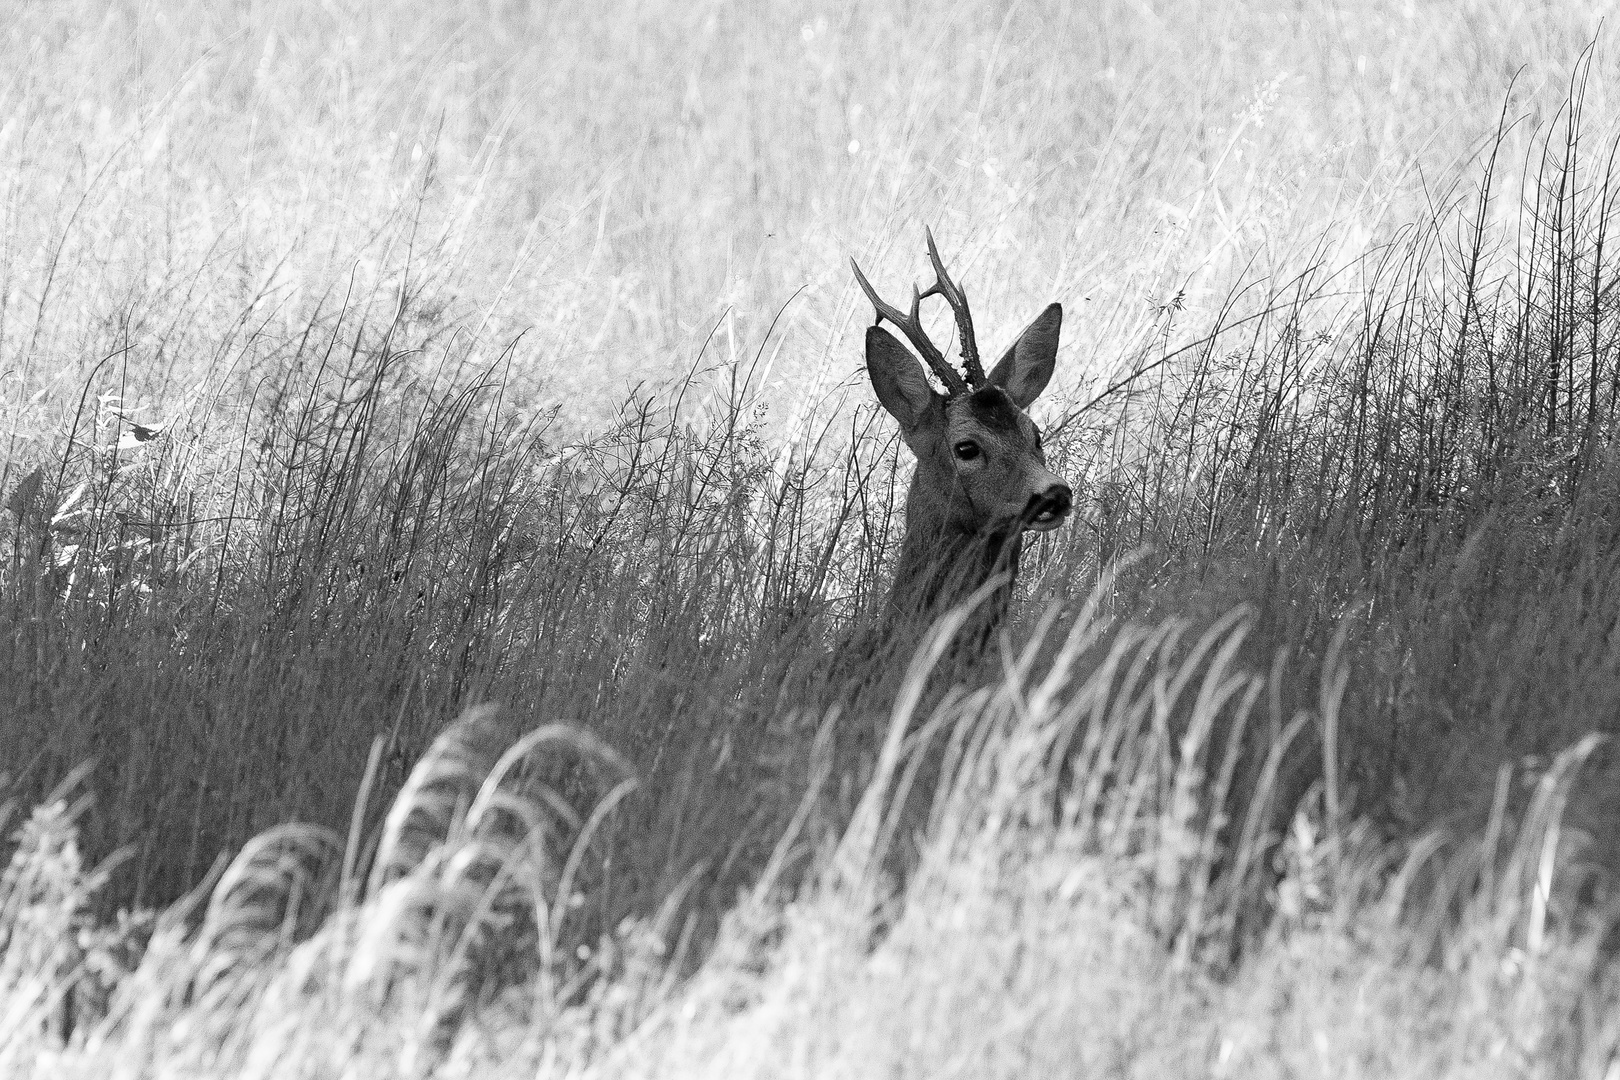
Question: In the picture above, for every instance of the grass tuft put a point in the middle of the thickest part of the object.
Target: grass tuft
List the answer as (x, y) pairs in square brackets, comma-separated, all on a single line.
[(447, 534)]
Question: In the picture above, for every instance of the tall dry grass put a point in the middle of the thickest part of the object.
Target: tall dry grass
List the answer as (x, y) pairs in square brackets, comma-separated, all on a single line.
[(361, 367)]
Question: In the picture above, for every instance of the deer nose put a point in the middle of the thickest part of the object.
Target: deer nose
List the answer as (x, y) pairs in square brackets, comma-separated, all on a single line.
[(1051, 505)]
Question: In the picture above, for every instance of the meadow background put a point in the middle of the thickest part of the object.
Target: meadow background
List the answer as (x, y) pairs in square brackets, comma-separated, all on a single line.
[(363, 367)]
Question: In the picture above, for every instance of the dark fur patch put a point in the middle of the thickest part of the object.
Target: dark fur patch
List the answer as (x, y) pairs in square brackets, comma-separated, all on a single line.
[(991, 407)]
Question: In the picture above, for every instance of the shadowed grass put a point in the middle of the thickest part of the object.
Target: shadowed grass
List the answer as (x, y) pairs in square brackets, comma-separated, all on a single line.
[(288, 485)]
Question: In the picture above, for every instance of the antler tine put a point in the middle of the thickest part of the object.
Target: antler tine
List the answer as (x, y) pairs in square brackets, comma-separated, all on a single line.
[(911, 326), (954, 296)]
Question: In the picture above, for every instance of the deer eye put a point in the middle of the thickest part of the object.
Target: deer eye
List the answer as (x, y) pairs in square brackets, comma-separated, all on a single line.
[(966, 450)]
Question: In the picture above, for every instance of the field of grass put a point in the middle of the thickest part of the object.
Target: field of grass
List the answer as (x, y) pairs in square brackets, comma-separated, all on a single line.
[(442, 486)]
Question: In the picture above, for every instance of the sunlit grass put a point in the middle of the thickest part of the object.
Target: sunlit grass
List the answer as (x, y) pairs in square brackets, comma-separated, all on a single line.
[(363, 367)]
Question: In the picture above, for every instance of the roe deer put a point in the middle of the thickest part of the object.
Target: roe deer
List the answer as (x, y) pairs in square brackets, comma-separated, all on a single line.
[(981, 483), (981, 479)]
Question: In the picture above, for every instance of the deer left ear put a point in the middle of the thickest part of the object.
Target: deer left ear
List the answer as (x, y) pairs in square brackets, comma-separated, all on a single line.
[(1027, 367)]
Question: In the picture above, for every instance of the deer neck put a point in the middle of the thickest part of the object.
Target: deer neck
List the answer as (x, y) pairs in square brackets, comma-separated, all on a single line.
[(946, 556)]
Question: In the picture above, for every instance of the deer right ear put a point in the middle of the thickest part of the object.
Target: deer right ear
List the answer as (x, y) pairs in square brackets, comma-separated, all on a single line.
[(1027, 367), (898, 379)]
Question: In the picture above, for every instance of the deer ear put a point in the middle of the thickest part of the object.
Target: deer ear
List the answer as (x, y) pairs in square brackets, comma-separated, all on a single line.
[(1027, 367), (898, 379)]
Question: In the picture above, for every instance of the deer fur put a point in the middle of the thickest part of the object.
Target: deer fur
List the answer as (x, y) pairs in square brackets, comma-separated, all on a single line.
[(981, 479), (966, 515)]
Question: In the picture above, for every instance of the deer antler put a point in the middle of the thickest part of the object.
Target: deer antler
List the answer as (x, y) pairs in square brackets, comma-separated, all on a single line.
[(911, 326), (954, 296)]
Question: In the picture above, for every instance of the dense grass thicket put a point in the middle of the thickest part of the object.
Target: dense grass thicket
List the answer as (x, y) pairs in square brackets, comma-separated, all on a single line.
[(445, 523)]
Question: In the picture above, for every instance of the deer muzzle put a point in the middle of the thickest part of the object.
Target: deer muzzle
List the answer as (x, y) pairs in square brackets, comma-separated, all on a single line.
[(1047, 509)]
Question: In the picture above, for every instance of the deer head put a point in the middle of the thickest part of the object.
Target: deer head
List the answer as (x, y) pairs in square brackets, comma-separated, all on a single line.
[(980, 466)]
